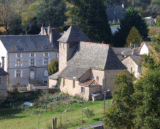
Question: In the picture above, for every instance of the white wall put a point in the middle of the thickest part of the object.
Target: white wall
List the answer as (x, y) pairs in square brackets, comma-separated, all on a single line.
[(144, 50), (3, 52)]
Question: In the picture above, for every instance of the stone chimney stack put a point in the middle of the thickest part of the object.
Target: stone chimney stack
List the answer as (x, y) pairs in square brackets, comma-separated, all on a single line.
[(51, 37), (2, 62), (42, 30), (49, 30)]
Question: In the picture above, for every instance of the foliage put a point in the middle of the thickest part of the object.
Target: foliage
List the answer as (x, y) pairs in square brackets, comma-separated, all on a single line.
[(120, 114), (147, 100), (158, 21), (89, 113), (51, 12), (53, 66), (15, 26), (92, 18), (134, 37), (5, 16), (132, 18)]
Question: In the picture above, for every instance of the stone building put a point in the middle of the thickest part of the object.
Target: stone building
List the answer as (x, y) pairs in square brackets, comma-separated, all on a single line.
[(26, 58), (85, 66), (3, 84)]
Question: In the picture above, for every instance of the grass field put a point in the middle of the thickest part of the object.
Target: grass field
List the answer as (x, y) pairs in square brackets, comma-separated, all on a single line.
[(71, 118)]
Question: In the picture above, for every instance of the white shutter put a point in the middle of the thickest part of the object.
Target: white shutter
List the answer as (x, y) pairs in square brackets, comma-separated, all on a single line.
[(35, 62), (34, 54), (14, 73), (21, 73), (21, 55), (43, 61), (43, 54), (29, 62), (29, 54), (16, 55)]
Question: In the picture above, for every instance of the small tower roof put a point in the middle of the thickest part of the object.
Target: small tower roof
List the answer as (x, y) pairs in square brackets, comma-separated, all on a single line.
[(73, 34)]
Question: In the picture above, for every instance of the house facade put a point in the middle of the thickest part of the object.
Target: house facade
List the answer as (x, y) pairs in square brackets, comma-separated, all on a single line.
[(26, 58), (86, 68), (3, 85)]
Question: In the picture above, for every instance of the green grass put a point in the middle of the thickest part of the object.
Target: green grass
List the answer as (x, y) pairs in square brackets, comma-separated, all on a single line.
[(73, 115)]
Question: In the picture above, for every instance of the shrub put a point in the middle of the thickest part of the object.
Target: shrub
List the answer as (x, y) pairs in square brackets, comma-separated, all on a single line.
[(89, 113)]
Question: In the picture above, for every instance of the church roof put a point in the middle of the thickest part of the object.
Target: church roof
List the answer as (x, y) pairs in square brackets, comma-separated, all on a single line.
[(20, 43), (73, 34), (95, 56), (73, 73), (2, 72)]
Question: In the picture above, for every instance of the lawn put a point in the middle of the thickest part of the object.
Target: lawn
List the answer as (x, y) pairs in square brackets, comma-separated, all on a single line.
[(70, 116)]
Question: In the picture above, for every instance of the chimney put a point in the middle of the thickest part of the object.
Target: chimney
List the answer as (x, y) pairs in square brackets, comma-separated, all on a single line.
[(123, 5), (42, 30), (51, 37), (2, 62), (49, 28), (131, 45)]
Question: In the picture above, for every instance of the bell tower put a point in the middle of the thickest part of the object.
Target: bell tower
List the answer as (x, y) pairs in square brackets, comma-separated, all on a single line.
[(69, 43)]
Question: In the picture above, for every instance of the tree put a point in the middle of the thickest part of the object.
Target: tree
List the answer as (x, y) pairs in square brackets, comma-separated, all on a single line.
[(5, 16), (53, 66), (134, 37), (120, 114), (51, 12), (158, 21), (147, 98), (132, 18), (15, 26), (92, 19)]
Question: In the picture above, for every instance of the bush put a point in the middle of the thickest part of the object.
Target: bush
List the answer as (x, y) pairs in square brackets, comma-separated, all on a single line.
[(89, 113)]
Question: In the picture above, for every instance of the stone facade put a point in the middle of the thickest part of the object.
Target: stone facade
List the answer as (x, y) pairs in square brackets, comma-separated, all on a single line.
[(27, 62)]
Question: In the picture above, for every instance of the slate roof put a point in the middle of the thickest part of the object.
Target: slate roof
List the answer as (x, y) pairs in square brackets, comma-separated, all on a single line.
[(24, 43), (73, 72), (3, 73), (96, 56), (73, 34), (54, 76), (56, 36), (115, 12), (135, 58)]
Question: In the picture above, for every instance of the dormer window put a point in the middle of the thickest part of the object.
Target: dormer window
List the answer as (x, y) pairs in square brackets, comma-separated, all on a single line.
[(18, 55), (32, 54), (46, 54)]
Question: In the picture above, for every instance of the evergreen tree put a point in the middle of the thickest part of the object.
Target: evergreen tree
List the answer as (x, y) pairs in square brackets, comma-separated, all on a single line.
[(147, 98), (92, 18), (134, 37), (132, 18), (51, 12), (120, 114)]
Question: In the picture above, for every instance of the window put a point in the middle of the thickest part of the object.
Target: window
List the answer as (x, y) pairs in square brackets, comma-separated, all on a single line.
[(46, 54), (18, 73), (32, 54), (45, 82), (32, 62), (45, 61), (82, 90), (73, 83), (18, 62), (97, 79), (18, 55), (63, 82), (46, 73)]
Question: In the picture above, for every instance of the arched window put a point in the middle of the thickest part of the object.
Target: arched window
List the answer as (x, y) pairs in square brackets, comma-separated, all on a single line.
[(97, 79), (45, 72)]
